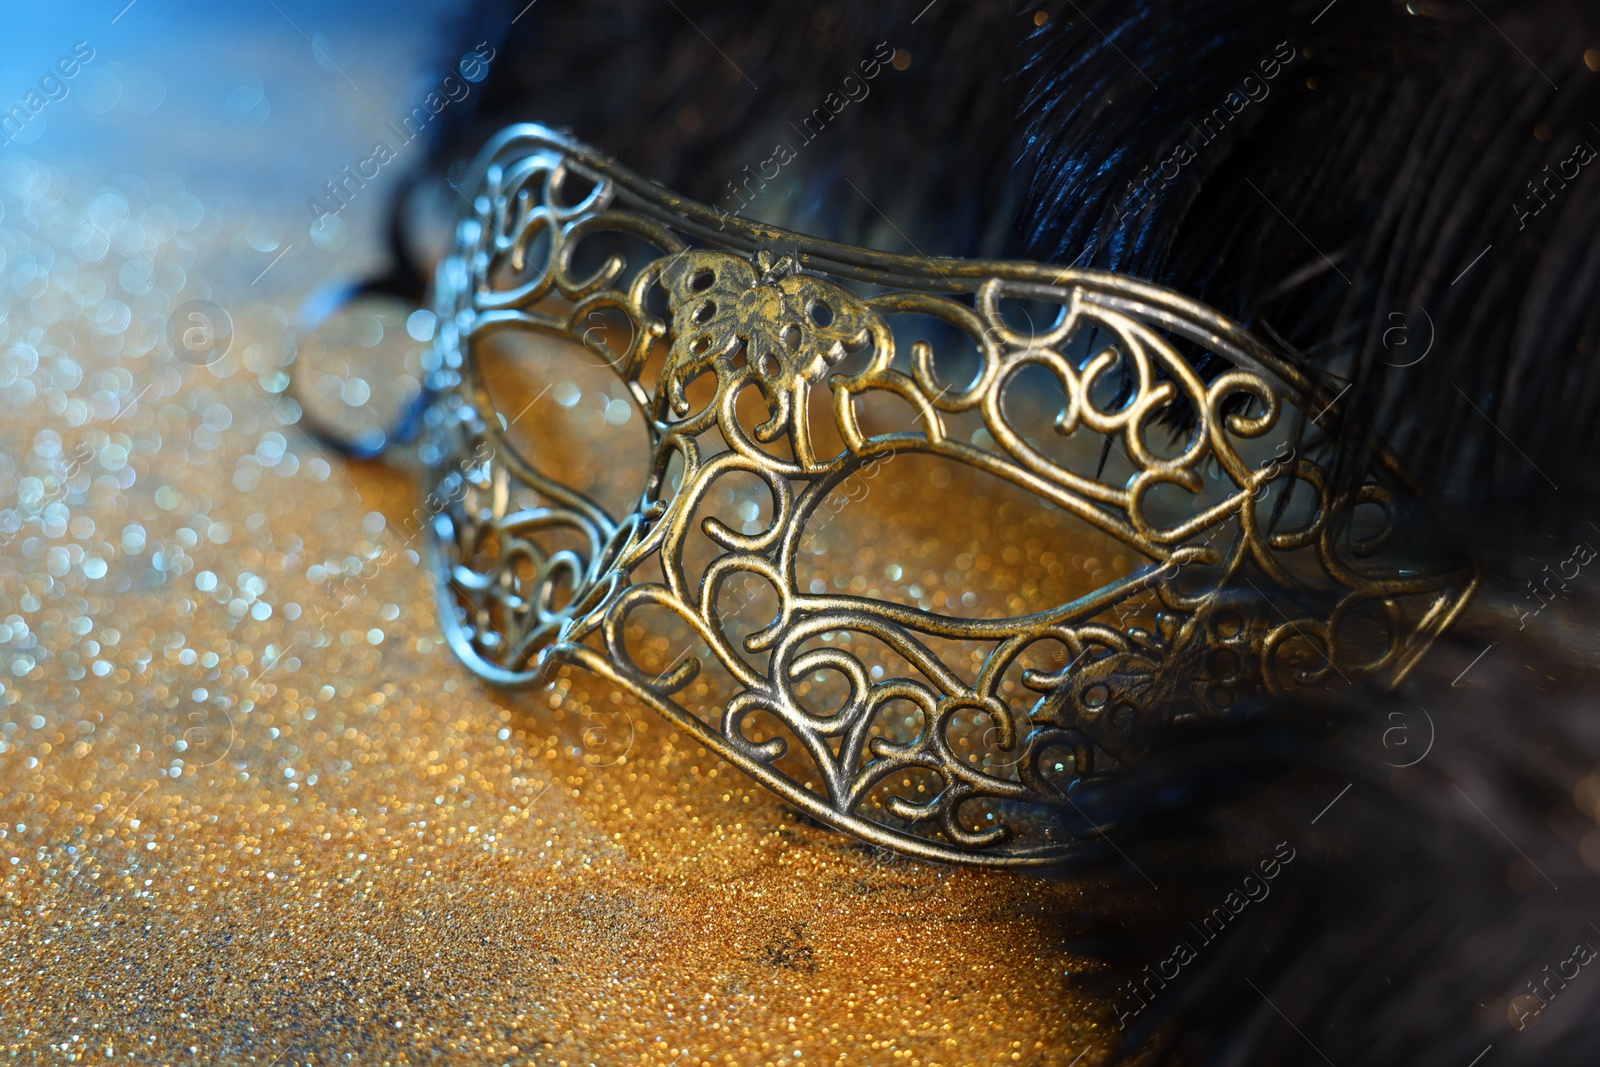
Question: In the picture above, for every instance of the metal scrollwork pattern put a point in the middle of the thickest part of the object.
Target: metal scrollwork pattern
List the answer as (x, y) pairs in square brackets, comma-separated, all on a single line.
[(1238, 589)]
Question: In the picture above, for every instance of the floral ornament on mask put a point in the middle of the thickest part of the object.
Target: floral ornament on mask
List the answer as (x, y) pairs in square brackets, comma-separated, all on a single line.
[(788, 327)]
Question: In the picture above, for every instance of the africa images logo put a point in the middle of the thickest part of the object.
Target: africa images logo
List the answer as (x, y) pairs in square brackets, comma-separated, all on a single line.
[(1252, 889), (342, 189), (53, 88)]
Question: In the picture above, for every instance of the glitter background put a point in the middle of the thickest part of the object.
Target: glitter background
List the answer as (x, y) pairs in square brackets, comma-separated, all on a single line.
[(251, 810)]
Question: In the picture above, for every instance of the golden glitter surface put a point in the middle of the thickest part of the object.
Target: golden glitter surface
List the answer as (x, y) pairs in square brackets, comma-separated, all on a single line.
[(253, 811)]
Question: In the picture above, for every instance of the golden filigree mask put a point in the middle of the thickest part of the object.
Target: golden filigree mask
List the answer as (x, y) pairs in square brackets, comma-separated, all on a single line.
[(760, 355)]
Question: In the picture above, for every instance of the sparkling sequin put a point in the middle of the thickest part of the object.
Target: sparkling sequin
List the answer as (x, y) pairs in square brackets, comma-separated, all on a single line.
[(251, 809)]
